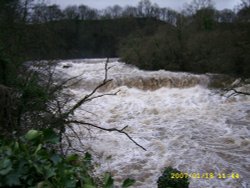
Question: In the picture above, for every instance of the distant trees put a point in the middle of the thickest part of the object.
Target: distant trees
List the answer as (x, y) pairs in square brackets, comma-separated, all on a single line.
[(113, 12), (168, 15), (43, 13), (129, 11), (196, 5), (199, 39), (86, 13), (226, 16), (244, 11)]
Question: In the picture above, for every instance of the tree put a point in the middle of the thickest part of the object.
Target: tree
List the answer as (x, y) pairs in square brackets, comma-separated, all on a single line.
[(129, 11), (83, 12), (226, 15), (244, 11), (144, 8), (113, 12), (71, 13), (195, 5), (245, 3), (168, 15), (86, 13), (25, 8), (205, 19), (43, 13)]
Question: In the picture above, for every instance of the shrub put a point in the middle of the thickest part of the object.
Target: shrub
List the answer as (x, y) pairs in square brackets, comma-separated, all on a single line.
[(166, 180), (29, 162)]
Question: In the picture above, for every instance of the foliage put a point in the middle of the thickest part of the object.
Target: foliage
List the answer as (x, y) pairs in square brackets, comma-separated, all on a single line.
[(31, 162), (199, 39), (162, 50), (165, 180), (197, 44)]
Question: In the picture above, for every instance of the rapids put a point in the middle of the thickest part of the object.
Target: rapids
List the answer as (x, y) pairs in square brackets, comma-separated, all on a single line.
[(175, 116)]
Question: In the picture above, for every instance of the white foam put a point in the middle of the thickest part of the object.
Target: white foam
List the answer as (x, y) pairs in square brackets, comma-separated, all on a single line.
[(192, 129)]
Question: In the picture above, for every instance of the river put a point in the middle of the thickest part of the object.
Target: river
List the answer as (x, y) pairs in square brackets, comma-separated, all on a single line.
[(175, 116)]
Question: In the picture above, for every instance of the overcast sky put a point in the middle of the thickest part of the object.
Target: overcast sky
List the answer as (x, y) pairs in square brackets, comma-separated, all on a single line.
[(175, 4)]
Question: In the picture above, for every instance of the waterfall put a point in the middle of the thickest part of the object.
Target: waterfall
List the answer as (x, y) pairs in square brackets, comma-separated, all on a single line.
[(177, 117), (92, 74)]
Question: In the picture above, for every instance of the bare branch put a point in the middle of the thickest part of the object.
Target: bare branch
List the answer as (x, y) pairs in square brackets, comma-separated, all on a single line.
[(70, 147), (75, 134), (109, 130), (57, 87), (106, 94), (89, 96), (239, 92), (236, 84)]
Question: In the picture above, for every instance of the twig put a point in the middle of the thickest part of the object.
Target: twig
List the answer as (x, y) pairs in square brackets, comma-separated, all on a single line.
[(62, 84), (106, 94), (70, 147), (76, 135), (109, 130), (88, 97), (235, 92), (239, 92)]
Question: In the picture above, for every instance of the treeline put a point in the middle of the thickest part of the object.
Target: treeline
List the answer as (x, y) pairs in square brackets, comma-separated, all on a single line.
[(48, 32), (197, 39), (201, 39)]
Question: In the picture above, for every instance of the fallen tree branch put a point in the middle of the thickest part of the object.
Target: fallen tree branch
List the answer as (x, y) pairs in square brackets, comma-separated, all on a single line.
[(236, 84), (238, 92), (109, 130)]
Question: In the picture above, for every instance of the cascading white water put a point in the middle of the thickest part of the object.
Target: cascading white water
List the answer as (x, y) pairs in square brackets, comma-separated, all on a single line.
[(178, 120)]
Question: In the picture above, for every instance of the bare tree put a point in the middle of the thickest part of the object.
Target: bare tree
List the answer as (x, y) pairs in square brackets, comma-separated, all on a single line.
[(144, 8), (86, 13), (245, 3), (130, 11), (226, 15), (168, 15), (60, 112), (244, 11), (43, 13), (113, 12), (71, 12), (195, 5)]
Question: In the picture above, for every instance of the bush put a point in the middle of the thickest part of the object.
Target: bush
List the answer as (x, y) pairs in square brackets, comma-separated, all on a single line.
[(29, 163), (166, 180)]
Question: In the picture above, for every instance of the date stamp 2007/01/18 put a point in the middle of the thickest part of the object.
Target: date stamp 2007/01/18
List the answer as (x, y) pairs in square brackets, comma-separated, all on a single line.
[(210, 175)]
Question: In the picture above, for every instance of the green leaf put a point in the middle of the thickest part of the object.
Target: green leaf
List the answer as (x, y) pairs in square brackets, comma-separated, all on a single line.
[(12, 179), (72, 157), (16, 147), (88, 186), (128, 182), (39, 147), (5, 166), (70, 183), (50, 136), (38, 168), (87, 159), (108, 181), (88, 156), (49, 172), (33, 135), (55, 159), (88, 180)]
